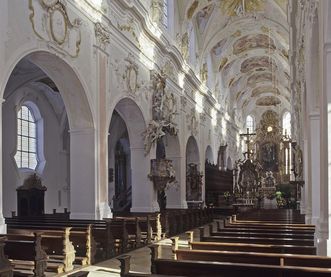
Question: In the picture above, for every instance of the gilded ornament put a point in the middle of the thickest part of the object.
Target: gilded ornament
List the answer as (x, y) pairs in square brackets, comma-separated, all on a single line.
[(192, 9), (240, 7)]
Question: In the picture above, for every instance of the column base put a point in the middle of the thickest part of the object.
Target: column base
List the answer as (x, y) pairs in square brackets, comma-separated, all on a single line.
[(182, 205), (105, 211), (74, 215), (314, 220), (151, 209), (322, 242), (3, 226)]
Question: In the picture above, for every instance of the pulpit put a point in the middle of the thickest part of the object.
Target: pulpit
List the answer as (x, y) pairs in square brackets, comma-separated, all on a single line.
[(31, 197)]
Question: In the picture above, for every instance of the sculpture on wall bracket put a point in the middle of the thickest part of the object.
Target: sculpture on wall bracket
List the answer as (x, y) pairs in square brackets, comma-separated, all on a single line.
[(193, 183), (162, 173), (297, 161), (164, 110), (157, 7)]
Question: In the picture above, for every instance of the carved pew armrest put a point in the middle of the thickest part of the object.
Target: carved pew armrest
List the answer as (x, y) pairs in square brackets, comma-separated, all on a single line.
[(125, 264)]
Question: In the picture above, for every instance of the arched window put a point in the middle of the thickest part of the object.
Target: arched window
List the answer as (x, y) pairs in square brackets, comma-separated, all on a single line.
[(26, 152), (287, 131), (165, 16), (250, 123), (287, 123)]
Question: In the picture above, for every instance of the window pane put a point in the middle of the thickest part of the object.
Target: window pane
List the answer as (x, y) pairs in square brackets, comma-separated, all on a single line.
[(25, 159), (18, 159), (32, 145), (287, 123), (19, 126), (25, 113), (32, 161), (19, 143), (32, 130), (25, 128), (250, 123), (26, 155), (25, 144), (165, 14)]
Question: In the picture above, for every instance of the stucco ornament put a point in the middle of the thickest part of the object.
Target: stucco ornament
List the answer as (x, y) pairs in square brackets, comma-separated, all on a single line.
[(169, 69), (51, 23), (157, 11), (128, 78), (102, 34), (185, 46), (130, 29), (192, 121), (204, 73), (164, 111), (131, 74)]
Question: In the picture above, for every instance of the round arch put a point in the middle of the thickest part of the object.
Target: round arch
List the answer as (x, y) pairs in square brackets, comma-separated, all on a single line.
[(143, 194), (134, 119), (193, 185), (192, 151), (81, 125), (209, 156), (175, 194)]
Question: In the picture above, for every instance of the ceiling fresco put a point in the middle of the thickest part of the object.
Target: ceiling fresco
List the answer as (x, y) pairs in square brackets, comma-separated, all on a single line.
[(265, 89), (237, 7), (248, 42), (259, 78), (268, 101), (257, 63), (203, 17), (251, 42)]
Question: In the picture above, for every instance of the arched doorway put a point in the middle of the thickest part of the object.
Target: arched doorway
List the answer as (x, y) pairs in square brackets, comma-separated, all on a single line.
[(209, 156), (132, 122), (193, 176), (119, 162), (176, 194), (62, 133)]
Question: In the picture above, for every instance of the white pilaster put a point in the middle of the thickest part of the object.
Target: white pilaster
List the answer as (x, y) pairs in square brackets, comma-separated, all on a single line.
[(3, 228), (144, 197), (82, 177), (314, 165), (176, 198)]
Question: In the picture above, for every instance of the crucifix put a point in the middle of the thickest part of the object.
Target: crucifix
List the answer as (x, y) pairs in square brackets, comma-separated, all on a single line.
[(247, 137)]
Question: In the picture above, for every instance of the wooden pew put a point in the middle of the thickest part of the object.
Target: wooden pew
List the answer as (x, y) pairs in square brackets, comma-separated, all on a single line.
[(133, 229), (81, 239), (245, 233), (263, 230), (256, 240), (266, 225), (250, 247), (57, 245), (6, 270), (278, 215), (206, 268), (25, 254), (104, 233), (254, 258)]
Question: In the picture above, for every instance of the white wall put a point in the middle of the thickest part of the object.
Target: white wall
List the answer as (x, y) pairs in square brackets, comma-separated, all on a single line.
[(54, 173), (90, 70)]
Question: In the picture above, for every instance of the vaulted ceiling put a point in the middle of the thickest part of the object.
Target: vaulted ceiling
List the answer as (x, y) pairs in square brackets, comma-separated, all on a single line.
[(247, 42)]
